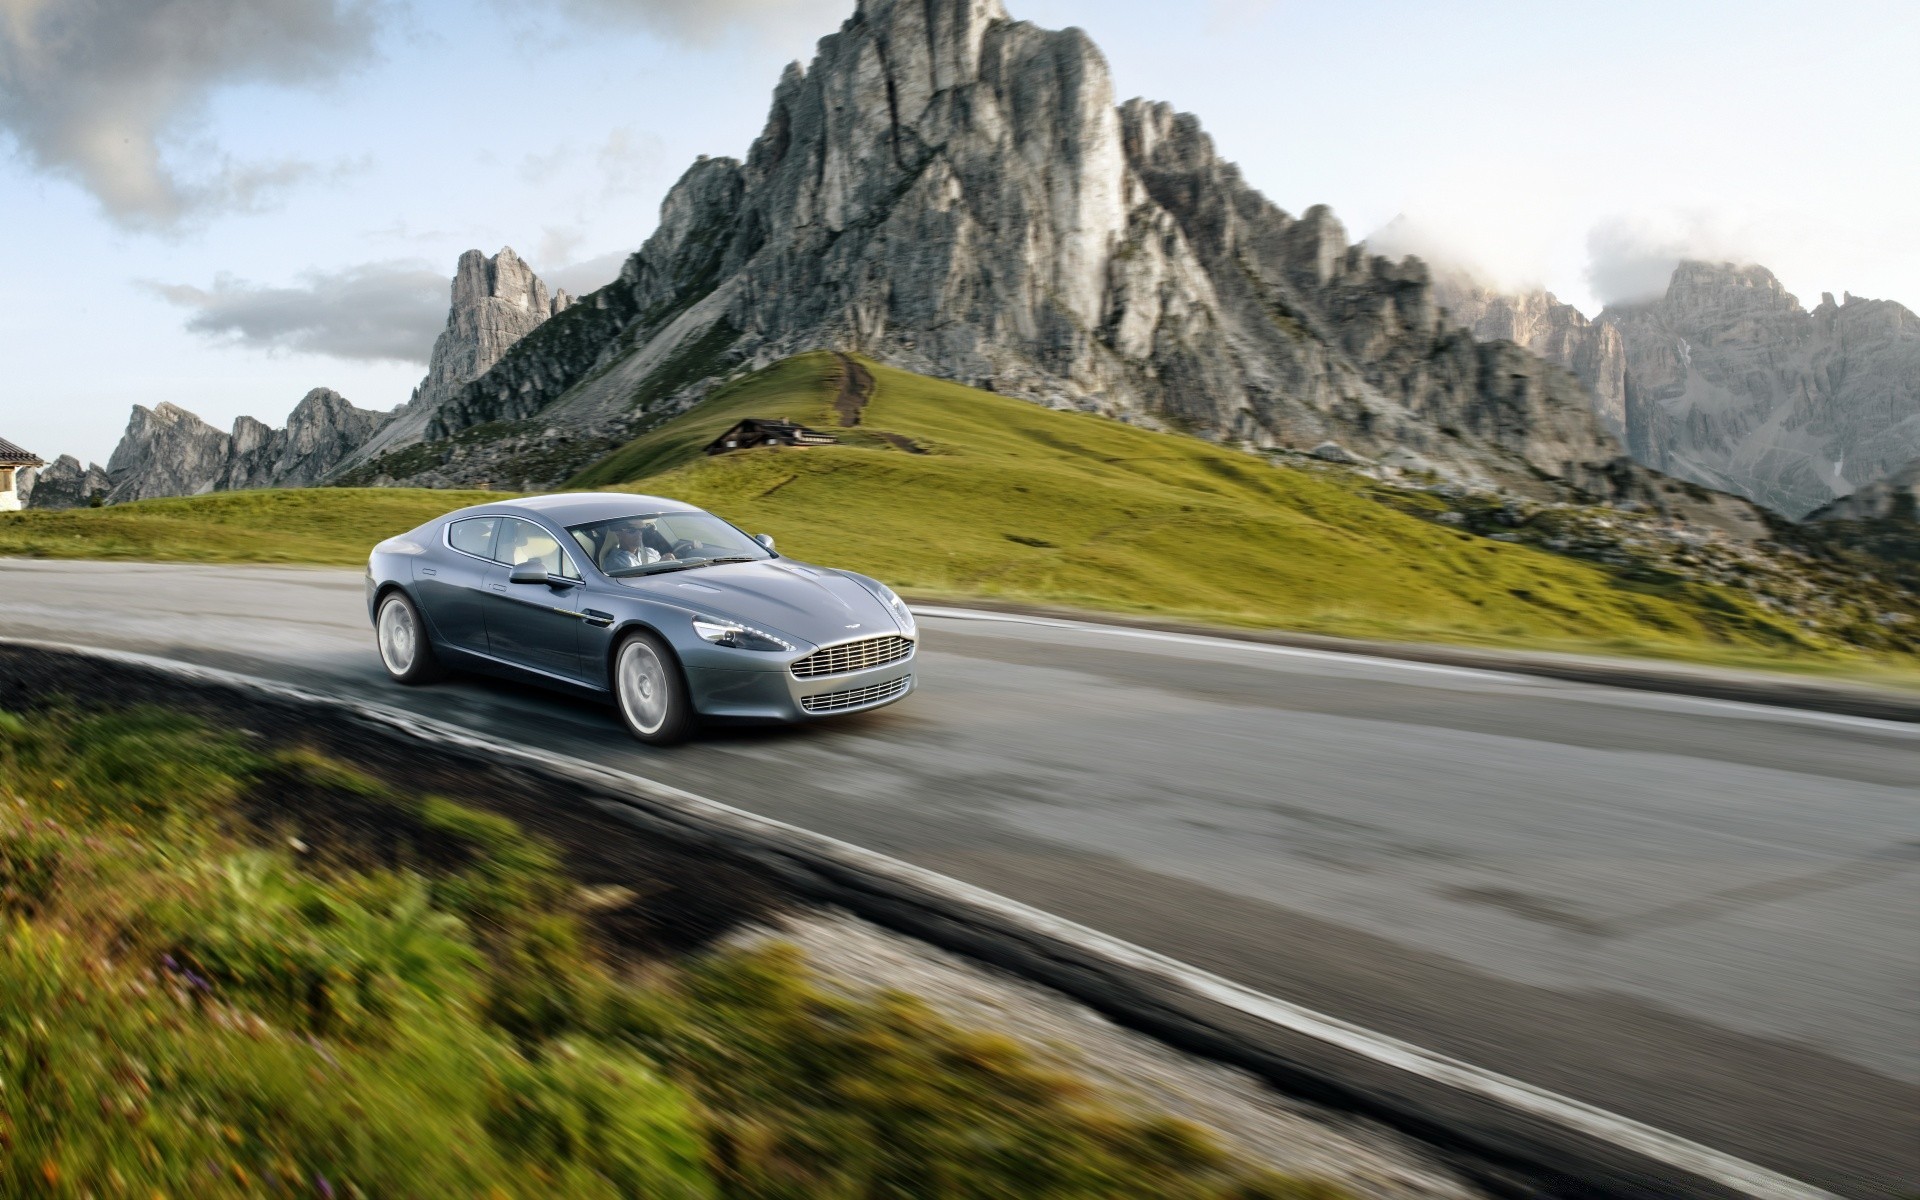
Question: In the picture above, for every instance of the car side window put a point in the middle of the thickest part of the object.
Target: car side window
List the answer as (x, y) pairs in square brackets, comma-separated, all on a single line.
[(474, 536), (523, 541)]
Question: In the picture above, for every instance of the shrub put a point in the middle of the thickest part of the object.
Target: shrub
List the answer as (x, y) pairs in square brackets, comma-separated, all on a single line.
[(30, 859), (328, 961), (592, 1113)]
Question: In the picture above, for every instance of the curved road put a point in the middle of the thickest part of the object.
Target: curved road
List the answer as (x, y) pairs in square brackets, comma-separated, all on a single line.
[(1701, 915)]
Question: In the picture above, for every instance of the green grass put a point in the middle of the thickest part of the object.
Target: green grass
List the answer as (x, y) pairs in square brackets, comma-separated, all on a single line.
[(797, 388), (192, 1004), (306, 525), (1016, 502)]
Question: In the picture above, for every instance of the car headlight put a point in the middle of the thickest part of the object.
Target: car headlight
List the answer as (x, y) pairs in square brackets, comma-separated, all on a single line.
[(738, 636), (901, 612)]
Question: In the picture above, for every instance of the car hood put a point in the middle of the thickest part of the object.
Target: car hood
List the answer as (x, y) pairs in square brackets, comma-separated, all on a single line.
[(816, 604)]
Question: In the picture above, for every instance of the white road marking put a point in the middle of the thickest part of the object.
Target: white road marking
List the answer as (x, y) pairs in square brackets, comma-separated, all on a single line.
[(1704, 1162), (1589, 692)]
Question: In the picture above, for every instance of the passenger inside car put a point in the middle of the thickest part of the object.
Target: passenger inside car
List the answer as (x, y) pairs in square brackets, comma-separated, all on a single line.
[(533, 544)]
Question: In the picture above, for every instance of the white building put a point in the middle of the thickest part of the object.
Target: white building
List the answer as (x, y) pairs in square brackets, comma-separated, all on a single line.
[(13, 460)]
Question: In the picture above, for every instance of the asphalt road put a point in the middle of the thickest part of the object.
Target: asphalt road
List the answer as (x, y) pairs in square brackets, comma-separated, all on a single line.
[(1701, 915)]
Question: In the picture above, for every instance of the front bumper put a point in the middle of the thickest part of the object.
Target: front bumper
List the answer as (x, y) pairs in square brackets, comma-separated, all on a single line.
[(772, 693)]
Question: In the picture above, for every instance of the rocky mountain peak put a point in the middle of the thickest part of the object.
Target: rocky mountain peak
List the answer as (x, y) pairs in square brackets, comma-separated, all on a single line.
[(496, 301), (1726, 286), (950, 31), (1556, 331), (504, 278), (1732, 384), (957, 193), (65, 483), (168, 451)]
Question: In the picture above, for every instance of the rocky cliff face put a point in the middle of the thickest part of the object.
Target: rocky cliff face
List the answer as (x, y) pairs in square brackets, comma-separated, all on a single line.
[(957, 193), (1557, 332), (65, 483), (1895, 498), (496, 302), (168, 451), (321, 432), (1730, 383)]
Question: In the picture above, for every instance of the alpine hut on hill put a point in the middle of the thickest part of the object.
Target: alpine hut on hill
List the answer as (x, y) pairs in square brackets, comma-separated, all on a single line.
[(13, 460), (768, 431)]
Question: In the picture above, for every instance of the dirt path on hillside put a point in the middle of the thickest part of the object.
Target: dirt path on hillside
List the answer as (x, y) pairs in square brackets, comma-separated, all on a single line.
[(856, 388)]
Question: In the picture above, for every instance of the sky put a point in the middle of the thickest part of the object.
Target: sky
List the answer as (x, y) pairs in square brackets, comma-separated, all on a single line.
[(225, 203)]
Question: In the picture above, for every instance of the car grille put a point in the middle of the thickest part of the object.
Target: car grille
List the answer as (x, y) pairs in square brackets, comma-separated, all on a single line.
[(855, 697), (849, 657)]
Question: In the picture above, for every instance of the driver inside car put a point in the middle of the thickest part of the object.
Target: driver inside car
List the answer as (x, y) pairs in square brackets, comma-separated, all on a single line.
[(635, 546)]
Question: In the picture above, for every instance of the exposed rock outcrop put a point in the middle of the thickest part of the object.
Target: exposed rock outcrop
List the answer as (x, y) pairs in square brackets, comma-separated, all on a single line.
[(65, 483), (956, 192), (1895, 498), (496, 302), (1560, 333), (322, 430), (1732, 384), (168, 451)]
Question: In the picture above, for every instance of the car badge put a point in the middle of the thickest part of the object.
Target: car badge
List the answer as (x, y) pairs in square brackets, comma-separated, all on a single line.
[(853, 626)]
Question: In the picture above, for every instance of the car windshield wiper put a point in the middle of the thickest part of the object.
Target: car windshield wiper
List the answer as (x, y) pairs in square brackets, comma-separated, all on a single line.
[(664, 568), (714, 562)]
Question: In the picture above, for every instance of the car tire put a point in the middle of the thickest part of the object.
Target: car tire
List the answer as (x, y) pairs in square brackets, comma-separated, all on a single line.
[(651, 692), (406, 650)]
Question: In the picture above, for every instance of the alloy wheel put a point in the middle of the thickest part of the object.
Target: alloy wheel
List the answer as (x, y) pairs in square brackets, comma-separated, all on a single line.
[(399, 636), (645, 694)]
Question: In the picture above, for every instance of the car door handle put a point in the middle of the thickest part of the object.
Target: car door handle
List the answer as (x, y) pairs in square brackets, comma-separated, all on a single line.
[(500, 587)]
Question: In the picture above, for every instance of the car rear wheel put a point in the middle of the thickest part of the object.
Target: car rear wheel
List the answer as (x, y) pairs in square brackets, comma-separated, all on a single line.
[(405, 650), (651, 691)]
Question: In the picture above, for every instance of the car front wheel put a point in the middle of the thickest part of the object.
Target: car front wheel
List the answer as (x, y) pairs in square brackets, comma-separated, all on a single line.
[(651, 692), (405, 649)]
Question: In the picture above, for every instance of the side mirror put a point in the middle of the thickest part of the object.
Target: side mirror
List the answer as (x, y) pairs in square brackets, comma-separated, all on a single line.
[(530, 571), (765, 540)]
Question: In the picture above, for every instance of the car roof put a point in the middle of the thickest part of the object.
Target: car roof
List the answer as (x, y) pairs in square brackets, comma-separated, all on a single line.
[(579, 508)]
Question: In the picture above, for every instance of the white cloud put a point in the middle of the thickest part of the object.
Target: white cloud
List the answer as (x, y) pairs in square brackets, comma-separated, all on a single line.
[(589, 275), (99, 91), (707, 21), (388, 311), (1631, 258)]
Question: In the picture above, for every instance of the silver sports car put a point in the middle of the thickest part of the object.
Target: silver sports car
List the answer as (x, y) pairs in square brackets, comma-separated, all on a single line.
[(668, 610)]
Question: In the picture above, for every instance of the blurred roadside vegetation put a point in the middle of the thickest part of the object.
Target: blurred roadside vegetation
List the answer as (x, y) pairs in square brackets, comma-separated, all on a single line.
[(196, 1002)]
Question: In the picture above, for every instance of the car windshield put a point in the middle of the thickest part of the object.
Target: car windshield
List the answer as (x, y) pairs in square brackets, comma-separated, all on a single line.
[(644, 545)]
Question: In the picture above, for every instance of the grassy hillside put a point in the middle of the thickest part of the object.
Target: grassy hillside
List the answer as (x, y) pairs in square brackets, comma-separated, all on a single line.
[(944, 490), (309, 525), (949, 492)]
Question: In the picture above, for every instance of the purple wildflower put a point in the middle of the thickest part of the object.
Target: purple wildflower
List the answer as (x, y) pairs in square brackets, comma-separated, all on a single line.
[(321, 1185)]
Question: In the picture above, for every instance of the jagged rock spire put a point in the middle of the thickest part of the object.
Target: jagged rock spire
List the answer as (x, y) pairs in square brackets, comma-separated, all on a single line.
[(956, 192)]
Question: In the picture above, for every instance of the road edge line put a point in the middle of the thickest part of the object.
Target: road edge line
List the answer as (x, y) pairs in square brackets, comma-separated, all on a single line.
[(1758, 692), (1611, 1129)]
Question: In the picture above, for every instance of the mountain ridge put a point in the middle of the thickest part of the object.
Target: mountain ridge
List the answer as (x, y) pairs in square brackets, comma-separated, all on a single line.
[(1733, 384), (169, 451), (956, 193)]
